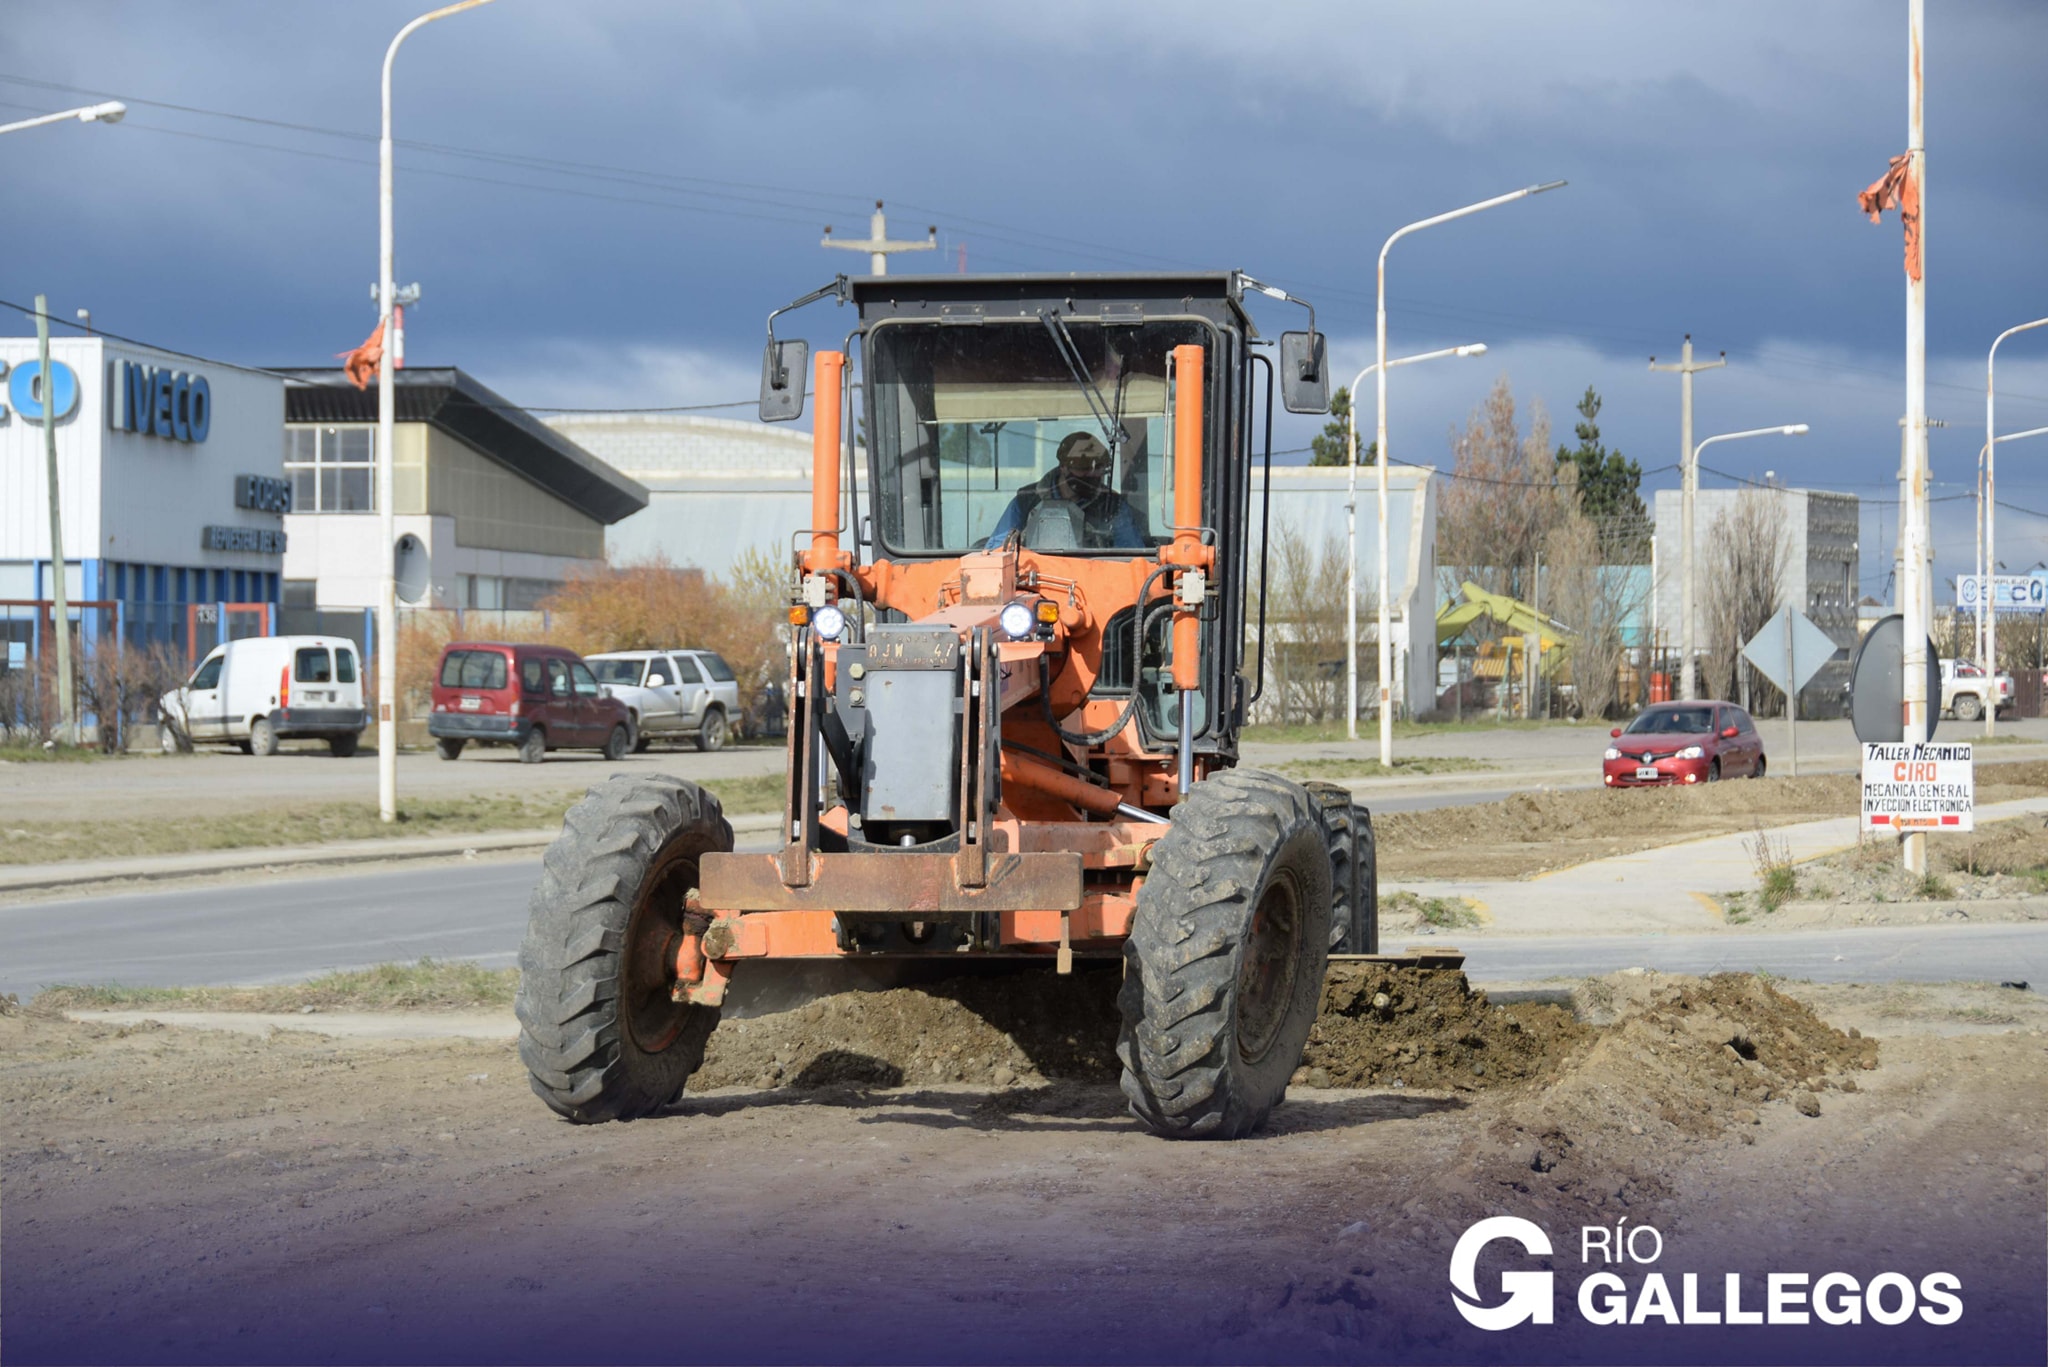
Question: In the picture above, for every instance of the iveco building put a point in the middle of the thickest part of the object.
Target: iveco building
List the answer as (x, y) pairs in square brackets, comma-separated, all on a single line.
[(173, 500)]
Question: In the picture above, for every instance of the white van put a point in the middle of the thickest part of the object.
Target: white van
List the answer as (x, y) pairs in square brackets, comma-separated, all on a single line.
[(259, 690)]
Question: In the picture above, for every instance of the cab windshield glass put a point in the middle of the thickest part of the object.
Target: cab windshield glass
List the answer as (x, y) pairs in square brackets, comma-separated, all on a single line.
[(1057, 433), (622, 672), (1673, 721)]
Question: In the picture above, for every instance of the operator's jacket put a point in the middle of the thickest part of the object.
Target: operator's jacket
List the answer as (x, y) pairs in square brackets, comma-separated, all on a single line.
[(1106, 519)]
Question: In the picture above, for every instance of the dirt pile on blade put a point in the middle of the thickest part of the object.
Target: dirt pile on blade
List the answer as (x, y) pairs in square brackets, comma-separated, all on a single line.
[(1023, 1027), (1410, 1027)]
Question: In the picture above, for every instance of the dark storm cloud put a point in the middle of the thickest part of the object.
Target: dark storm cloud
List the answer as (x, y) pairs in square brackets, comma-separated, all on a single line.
[(1713, 151)]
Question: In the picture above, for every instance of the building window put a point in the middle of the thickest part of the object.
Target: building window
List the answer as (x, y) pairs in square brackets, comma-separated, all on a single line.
[(332, 469)]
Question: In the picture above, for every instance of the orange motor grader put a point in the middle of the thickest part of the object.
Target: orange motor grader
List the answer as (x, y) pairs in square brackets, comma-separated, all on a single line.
[(1017, 677)]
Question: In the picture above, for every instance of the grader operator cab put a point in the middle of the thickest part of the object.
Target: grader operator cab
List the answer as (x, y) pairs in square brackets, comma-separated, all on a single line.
[(1017, 677)]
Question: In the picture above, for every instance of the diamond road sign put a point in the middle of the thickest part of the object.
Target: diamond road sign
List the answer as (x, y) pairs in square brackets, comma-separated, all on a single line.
[(1808, 649)]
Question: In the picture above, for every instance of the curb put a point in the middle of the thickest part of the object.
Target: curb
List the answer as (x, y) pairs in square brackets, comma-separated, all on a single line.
[(29, 877)]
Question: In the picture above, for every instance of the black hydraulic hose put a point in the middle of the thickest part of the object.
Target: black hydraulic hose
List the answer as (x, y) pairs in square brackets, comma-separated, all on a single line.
[(1137, 668), (860, 604)]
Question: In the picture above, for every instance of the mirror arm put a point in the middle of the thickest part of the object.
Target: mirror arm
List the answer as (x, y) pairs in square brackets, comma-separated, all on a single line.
[(1308, 368), (837, 287)]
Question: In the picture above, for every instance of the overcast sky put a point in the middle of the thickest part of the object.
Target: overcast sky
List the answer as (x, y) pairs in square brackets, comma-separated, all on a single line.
[(624, 188)]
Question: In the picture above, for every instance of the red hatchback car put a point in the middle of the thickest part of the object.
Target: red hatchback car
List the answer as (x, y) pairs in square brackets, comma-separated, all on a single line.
[(534, 698), (1684, 742)]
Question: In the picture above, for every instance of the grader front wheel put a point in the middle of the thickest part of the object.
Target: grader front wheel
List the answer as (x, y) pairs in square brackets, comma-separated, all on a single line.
[(1224, 965), (598, 1032)]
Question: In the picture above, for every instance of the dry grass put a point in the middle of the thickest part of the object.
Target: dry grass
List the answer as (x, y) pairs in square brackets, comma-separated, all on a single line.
[(48, 842), (429, 985), (1366, 766)]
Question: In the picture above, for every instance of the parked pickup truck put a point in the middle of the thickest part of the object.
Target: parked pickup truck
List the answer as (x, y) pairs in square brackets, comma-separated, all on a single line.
[(1966, 691)]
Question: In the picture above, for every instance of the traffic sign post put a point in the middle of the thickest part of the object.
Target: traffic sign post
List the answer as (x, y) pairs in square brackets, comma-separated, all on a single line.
[(1789, 651)]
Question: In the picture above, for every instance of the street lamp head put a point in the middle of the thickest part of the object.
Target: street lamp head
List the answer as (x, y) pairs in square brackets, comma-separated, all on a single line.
[(1475, 349), (113, 111), (1797, 429), (1547, 185)]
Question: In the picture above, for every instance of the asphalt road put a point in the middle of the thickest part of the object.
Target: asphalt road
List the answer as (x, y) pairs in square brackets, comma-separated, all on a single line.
[(287, 928)]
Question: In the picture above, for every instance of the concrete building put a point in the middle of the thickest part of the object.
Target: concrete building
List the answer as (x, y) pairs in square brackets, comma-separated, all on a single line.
[(1822, 562), (716, 488), (505, 507), (170, 491)]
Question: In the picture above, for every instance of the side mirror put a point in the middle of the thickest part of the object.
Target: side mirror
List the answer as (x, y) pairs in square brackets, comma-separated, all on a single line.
[(1729, 733), (784, 368), (1304, 373), (1616, 733)]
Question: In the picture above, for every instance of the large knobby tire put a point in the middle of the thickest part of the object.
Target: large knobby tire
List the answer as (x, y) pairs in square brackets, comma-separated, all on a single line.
[(1354, 870), (1223, 970), (262, 737), (598, 1033)]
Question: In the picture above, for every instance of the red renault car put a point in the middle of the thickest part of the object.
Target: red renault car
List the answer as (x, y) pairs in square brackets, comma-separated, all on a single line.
[(533, 698), (1684, 742)]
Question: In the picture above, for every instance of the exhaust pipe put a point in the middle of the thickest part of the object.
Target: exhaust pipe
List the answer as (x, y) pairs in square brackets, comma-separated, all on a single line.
[(825, 554)]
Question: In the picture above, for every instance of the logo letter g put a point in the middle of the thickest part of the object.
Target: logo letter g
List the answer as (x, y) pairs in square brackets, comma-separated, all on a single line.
[(1528, 1293)]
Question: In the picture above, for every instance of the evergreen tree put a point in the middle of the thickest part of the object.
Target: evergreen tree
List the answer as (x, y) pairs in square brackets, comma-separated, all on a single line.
[(1609, 486), (1331, 447)]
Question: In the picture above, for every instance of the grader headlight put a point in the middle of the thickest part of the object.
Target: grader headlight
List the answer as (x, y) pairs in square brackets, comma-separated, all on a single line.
[(829, 622), (1017, 620)]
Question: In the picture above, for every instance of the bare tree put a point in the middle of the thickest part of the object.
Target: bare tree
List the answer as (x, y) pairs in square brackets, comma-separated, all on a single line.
[(1505, 495), (1594, 598), (1742, 580), (1305, 630)]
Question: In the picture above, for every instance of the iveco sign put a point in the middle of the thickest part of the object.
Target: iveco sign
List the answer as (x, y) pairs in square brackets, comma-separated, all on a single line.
[(158, 402)]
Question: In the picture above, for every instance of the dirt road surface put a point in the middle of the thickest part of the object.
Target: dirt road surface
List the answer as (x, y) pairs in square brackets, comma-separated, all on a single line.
[(950, 1176)]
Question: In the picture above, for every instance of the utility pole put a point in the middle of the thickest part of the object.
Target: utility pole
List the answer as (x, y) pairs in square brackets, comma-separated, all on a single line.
[(1689, 481), (58, 594), (1915, 586), (878, 246)]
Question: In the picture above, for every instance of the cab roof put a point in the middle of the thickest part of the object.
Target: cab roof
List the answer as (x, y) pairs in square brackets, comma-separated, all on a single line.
[(1127, 296)]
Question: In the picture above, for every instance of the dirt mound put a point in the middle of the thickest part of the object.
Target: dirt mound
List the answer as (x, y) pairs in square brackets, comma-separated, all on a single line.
[(1408, 1027), (1025, 1027)]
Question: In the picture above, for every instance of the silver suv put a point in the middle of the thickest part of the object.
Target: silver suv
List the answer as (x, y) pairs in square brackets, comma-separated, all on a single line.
[(672, 694)]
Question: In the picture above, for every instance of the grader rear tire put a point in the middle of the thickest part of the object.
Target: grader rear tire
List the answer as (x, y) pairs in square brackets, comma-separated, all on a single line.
[(1223, 970), (1354, 870), (598, 1034)]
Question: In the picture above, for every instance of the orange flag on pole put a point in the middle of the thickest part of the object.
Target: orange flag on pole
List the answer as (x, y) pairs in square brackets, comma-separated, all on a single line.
[(1897, 189), (361, 364)]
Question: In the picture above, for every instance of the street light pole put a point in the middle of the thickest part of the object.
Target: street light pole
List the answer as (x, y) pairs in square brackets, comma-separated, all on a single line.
[(1987, 610), (387, 585), (113, 111), (1351, 528), (1386, 653), (1685, 572)]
